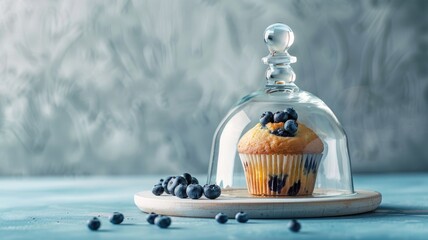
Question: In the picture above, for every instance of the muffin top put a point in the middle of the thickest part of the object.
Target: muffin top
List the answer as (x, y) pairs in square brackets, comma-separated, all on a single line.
[(260, 140)]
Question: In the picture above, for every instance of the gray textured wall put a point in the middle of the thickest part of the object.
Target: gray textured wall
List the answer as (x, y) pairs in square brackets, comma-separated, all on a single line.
[(128, 87)]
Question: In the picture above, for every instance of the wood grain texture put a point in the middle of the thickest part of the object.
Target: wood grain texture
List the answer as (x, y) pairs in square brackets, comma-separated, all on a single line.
[(234, 201)]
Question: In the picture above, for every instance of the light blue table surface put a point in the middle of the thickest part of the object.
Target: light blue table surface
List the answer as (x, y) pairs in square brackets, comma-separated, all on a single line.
[(58, 208)]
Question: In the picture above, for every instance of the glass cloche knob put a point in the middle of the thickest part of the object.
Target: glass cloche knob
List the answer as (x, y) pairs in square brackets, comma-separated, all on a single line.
[(279, 38)]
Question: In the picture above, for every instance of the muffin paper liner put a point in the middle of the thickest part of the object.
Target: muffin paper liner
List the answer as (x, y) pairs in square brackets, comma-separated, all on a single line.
[(280, 175)]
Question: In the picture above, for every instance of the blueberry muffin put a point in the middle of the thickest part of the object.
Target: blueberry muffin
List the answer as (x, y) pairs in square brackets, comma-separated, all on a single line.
[(280, 156)]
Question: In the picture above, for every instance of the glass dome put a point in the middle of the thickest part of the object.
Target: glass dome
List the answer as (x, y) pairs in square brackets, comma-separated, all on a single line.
[(332, 171)]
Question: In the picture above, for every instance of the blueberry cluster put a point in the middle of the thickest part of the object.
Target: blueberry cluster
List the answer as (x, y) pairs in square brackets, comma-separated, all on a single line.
[(288, 117), (240, 217), (186, 186), (94, 223)]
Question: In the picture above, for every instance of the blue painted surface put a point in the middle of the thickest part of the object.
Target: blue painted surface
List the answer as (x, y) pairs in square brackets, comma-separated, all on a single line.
[(58, 208)]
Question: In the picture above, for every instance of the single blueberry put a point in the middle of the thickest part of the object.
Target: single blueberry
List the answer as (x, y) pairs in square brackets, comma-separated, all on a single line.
[(280, 116), (116, 218), (180, 191), (94, 224), (291, 127), (292, 114), (165, 184), (194, 191), (188, 178), (174, 182), (294, 189), (266, 117), (221, 218), (310, 166), (241, 217), (277, 182), (151, 218), (157, 189), (294, 226), (163, 221), (212, 191), (168, 185), (194, 181), (275, 132), (280, 132)]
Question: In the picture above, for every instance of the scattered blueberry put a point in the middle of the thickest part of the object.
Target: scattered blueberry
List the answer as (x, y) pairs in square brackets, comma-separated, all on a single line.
[(194, 191), (180, 191), (94, 224), (221, 218), (292, 114), (212, 191), (161, 180), (174, 182), (241, 217), (194, 181), (294, 226), (116, 218), (266, 118), (163, 221), (291, 127), (165, 184), (188, 178), (157, 189), (151, 218), (280, 116)]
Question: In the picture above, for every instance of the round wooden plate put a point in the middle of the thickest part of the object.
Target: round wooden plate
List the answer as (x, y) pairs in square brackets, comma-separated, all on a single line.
[(235, 200)]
